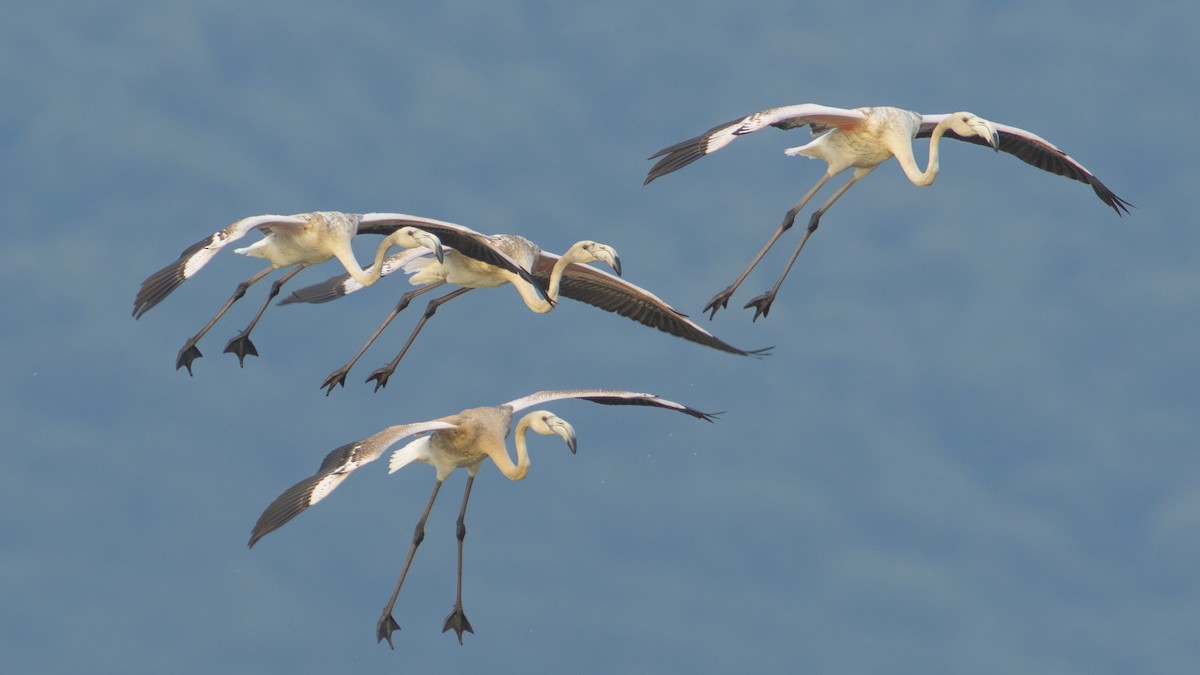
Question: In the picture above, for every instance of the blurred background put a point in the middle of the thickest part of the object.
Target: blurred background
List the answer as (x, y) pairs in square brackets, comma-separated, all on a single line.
[(972, 450)]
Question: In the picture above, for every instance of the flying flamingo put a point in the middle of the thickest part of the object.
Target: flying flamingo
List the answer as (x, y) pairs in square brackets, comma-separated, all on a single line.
[(296, 241), (462, 440), (563, 274), (862, 139)]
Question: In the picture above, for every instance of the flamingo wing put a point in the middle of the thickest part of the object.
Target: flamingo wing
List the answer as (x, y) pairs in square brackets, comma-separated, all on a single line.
[(787, 117), (1036, 151), (162, 283), (606, 397), (611, 293), (335, 468)]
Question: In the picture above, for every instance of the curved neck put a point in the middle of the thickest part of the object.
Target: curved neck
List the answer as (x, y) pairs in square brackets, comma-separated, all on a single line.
[(556, 275), (504, 462), (533, 300), (366, 276), (909, 163)]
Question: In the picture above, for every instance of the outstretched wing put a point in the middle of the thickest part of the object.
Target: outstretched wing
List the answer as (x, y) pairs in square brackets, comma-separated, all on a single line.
[(343, 284), (336, 467), (786, 117), (613, 294), (1037, 151), (160, 284), (606, 397), (463, 239)]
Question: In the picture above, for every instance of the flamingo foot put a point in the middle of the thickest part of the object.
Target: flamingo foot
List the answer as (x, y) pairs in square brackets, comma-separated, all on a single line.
[(242, 346), (384, 629), (335, 378), (187, 354), (381, 376), (719, 301), (761, 304), (458, 621)]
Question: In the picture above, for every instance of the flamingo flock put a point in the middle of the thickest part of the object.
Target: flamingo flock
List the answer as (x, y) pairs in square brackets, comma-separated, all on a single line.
[(437, 253)]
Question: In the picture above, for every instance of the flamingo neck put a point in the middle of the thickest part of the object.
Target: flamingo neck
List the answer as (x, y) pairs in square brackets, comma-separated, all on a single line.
[(909, 163), (366, 276), (503, 462), (556, 274), (529, 294)]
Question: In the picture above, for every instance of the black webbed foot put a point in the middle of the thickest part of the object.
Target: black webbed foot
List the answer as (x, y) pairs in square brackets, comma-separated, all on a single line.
[(719, 301), (381, 375), (761, 304), (384, 629), (242, 346), (457, 620), (188, 353), (335, 378)]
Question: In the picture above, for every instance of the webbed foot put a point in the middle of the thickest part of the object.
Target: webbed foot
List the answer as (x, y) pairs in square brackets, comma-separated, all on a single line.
[(719, 301), (761, 304), (381, 375), (384, 629), (458, 621), (242, 346), (187, 354), (335, 378)]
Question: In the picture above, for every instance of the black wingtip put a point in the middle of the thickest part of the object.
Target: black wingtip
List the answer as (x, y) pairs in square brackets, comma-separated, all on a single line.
[(1119, 205)]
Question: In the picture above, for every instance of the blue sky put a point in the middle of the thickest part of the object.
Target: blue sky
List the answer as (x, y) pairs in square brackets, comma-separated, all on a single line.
[(972, 450)]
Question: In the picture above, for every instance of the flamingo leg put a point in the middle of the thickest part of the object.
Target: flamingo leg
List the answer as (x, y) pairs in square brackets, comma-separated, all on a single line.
[(721, 299), (381, 375), (339, 376), (387, 624), (189, 352), (240, 344), (457, 619), (762, 303)]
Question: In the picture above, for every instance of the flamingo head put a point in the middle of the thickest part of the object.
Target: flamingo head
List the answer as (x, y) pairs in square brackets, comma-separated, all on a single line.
[(967, 124), (414, 237), (590, 251), (545, 422)]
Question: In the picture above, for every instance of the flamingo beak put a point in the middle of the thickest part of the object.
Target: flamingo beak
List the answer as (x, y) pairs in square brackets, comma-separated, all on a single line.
[(564, 431), (609, 255), (431, 242), (989, 134)]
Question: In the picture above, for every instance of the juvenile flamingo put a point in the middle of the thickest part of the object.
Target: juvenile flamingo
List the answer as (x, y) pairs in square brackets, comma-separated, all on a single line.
[(462, 440), (291, 241), (862, 139)]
